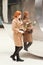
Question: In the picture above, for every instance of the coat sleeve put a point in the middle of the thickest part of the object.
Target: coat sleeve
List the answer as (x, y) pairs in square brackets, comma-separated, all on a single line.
[(14, 26), (21, 27), (30, 26)]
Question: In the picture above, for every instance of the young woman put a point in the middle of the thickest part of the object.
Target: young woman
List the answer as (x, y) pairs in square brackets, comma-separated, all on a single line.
[(29, 29), (18, 30)]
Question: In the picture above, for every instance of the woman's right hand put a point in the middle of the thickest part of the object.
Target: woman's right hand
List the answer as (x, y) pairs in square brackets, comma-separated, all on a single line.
[(21, 31)]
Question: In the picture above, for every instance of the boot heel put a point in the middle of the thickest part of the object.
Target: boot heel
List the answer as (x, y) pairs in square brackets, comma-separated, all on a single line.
[(20, 60)]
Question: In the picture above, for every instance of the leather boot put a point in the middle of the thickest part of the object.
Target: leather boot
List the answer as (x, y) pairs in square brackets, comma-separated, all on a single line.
[(25, 46), (28, 45), (18, 57), (14, 54)]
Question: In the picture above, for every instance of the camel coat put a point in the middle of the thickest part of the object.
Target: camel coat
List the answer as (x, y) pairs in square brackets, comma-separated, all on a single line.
[(28, 36), (18, 36)]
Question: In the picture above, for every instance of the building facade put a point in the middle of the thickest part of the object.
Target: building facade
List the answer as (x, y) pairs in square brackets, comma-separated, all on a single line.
[(8, 7)]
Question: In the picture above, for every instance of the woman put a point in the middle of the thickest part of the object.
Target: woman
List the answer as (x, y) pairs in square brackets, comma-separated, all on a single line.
[(28, 33), (17, 27)]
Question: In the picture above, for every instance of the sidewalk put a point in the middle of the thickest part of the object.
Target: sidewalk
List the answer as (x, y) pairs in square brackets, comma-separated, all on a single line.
[(37, 46), (7, 48)]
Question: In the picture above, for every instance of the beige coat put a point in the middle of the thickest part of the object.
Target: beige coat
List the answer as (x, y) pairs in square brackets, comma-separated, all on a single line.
[(28, 36), (18, 36)]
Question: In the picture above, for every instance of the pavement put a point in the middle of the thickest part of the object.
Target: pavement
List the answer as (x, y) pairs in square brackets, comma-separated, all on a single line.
[(7, 48), (34, 55)]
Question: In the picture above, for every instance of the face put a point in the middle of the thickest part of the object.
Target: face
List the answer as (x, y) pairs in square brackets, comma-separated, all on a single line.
[(19, 16)]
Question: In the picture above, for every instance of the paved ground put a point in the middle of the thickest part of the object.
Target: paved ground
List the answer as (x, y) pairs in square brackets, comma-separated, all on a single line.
[(38, 32), (7, 48)]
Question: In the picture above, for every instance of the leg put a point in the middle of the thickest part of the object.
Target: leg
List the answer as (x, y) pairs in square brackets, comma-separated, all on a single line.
[(29, 44), (25, 46), (16, 53), (18, 57)]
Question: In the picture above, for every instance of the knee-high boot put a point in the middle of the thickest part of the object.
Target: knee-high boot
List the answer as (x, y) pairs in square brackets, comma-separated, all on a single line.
[(18, 57), (16, 53), (27, 45)]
